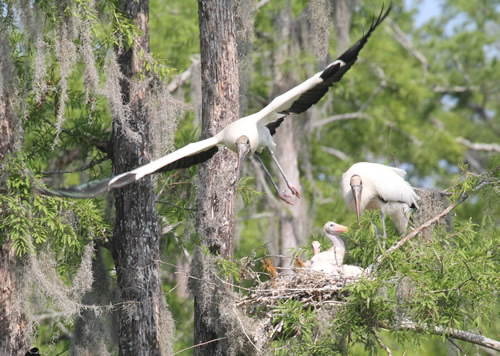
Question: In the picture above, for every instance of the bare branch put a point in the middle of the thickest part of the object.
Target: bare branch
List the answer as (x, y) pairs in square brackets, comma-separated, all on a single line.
[(488, 147), (261, 3), (403, 40), (453, 333), (415, 232), (83, 168), (454, 89), (183, 77), (201, 344), (334, 152), (381, 343), (348, 116)]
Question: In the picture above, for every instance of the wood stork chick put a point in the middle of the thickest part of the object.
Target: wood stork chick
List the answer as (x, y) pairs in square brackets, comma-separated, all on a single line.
[(376, 186), (244, 136), (332, 259), (316, 247)]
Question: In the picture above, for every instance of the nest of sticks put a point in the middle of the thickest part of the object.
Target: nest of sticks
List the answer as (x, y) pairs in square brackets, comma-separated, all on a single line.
[(312, 288)]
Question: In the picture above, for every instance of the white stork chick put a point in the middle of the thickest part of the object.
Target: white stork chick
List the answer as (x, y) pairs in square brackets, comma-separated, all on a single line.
[(316, 247), (376, 186), (244, 136), (331, 260)]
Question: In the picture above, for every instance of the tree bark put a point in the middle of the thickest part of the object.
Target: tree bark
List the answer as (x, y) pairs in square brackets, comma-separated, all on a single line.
[(343, 14), (13, 338), (294, 220), (217, 185), (135, 243)]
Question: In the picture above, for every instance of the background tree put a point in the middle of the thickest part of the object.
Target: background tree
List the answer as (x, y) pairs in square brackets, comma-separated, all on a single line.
[(216, 179)]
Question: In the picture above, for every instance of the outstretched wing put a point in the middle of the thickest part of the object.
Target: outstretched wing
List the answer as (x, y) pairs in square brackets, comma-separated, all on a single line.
[(303, 96), (185, 157)]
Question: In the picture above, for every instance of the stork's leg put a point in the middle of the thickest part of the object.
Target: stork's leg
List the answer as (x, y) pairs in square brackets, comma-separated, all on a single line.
[(291, 187), (384, 236), (282, 195)]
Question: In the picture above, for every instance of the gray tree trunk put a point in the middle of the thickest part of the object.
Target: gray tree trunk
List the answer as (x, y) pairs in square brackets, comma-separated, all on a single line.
[(294, 220), (217, 186), (13, 338), (136, 236), (343, 14)]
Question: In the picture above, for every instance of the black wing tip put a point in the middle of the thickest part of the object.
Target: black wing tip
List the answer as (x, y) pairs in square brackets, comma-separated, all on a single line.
[(351, 54), (83, 191)]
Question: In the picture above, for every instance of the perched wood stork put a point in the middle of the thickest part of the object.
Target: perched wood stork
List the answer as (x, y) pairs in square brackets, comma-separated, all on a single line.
[(246, 135), (376, 186)]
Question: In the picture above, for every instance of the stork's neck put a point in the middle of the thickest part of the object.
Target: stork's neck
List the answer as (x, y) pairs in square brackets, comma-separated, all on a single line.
[(338, 247)]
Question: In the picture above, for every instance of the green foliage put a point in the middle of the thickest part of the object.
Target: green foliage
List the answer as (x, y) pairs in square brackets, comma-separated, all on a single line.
[(32, 220), (296, 322)]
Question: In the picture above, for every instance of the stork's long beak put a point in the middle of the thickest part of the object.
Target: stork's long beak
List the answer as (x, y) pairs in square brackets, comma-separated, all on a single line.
[(341, 228), (356, 192), (243, 149)]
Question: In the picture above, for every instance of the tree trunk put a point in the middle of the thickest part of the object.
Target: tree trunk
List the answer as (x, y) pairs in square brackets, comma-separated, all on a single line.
[(136, 237), (217, 186), (343, 14), (294, 220), (13, 338)]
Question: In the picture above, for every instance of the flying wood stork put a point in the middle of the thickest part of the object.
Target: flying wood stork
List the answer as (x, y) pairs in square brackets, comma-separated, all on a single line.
[(246, 135), (376, 186)]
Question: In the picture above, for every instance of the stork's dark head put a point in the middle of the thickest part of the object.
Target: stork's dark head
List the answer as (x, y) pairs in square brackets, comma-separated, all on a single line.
[(243, 149), (357, 187)]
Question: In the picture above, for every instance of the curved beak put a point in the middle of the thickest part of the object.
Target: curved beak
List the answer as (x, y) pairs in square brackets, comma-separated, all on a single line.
[(243, 149), (356, 192), (341, 228)]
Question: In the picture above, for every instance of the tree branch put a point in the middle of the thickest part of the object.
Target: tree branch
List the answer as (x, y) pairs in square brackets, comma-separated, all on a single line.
[(403, 40), (348, 116), (415, 232), (453, 333), (454, 89), (488, 147), (334, 152), (183, 77)]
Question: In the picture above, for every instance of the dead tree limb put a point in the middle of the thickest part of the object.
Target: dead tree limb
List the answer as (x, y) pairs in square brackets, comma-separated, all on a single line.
[(415, 232), (488, 147), (453, 333), (348, 116)]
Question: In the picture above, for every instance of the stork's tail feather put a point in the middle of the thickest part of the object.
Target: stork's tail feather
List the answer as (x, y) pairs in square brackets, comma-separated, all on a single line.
[(82, 191)]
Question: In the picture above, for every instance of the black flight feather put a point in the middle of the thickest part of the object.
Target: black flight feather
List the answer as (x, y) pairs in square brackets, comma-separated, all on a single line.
[(334, 72), (95, 188), (192, 160), (272, 126)]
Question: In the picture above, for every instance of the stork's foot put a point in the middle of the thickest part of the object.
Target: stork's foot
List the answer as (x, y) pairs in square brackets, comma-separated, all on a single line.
[(285, 197), (294, 191)]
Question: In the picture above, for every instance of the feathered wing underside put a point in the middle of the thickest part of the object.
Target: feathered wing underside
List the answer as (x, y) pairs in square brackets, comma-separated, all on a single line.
[(333, 73), (185, 157)]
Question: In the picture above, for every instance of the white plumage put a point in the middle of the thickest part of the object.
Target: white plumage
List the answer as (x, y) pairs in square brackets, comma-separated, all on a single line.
[(331, 261), (379, 187)]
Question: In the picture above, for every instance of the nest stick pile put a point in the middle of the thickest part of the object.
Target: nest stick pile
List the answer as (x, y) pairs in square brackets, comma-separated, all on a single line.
[(309, 287)]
